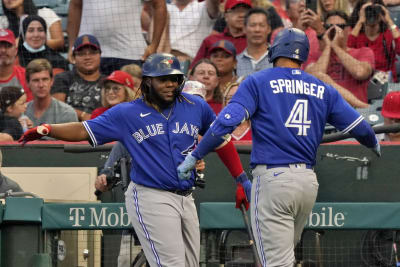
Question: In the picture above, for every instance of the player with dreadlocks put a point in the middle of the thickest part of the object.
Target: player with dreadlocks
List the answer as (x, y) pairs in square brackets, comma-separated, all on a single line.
[(159, 129)]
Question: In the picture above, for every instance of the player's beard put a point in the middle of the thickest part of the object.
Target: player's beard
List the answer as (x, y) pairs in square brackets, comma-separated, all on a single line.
[(155, 98)]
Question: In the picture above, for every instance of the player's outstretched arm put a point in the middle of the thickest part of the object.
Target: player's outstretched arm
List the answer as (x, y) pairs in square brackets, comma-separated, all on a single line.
[(364, 134), (73, 131), (231, 116)]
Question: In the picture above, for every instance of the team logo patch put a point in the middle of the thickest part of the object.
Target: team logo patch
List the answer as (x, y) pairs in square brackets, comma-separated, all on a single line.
[(296, 72), (85, 40), (167, 63)]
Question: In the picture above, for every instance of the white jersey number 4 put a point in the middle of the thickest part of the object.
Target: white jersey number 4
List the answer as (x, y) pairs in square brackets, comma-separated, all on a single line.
[(298, 117)]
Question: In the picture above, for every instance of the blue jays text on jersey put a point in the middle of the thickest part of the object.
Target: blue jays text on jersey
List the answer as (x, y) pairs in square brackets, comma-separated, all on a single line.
[(157, 144), (158, 128)]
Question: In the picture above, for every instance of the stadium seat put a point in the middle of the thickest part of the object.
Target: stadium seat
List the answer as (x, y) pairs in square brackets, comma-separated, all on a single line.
[(372, 114), (47, 3), (62, 11), (393, 87)]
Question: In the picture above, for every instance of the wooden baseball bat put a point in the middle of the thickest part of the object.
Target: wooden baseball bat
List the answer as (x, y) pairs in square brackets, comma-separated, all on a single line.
[(250, 233)]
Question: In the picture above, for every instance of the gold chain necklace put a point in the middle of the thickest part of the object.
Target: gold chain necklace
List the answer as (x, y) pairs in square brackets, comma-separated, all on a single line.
[(169, 113)]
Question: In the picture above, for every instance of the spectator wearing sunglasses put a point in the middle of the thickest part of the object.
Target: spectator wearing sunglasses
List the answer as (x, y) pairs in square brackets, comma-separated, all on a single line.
[(347, 69), (117, 88), (373, 27)]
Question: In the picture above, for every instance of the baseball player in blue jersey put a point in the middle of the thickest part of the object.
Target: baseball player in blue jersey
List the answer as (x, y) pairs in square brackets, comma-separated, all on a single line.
[(158, 130), (288, 109)]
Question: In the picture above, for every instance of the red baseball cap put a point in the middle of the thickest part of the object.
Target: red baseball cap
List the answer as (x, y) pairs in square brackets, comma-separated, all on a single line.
[(391, 105), (229, 4), (7, 36), (121, 77)]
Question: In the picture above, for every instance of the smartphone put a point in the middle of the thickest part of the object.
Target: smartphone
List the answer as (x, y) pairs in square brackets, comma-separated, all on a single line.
[(312, 4), (332, 34)]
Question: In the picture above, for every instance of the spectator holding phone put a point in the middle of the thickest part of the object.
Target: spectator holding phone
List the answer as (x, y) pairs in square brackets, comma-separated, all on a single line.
[(300, 16), (346, 69), (373, 27)]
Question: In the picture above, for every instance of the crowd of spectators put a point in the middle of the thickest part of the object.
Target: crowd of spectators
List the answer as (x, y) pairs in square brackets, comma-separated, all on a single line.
[(98, 65)]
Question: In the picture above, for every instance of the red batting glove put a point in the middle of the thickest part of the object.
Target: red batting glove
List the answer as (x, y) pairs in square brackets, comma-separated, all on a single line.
[(241, 197), (35, 133)]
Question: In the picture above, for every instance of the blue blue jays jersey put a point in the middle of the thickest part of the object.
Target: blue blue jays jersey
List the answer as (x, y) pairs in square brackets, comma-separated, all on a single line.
[(289, 109), (157, 144)]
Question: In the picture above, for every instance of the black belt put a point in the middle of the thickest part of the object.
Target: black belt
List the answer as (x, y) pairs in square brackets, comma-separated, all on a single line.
[(184, 193), (272, 166)]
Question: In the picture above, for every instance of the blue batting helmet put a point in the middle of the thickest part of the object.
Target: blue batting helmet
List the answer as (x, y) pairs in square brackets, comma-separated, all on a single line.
[(290, 43), (160, 65)]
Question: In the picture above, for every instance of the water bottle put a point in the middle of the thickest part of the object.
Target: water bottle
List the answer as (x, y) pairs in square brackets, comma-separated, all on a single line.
[(23, 121)]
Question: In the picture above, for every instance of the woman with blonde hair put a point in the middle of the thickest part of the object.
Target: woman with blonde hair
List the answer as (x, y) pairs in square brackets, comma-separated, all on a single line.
[(324, 6), (118, 87), (136, 72)]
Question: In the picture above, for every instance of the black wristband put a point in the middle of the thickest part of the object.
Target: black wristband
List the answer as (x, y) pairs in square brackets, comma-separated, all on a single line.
[(320, 36)]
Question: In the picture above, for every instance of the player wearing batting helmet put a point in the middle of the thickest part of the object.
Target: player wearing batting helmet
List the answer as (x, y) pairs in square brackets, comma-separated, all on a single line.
[(159, 129), (288, 109)]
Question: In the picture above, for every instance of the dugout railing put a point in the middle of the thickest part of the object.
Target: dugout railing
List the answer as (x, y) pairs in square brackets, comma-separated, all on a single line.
[(28, 227)]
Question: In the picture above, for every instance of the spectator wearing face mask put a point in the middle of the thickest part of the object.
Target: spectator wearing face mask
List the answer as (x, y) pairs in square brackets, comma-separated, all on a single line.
[(32, 45)]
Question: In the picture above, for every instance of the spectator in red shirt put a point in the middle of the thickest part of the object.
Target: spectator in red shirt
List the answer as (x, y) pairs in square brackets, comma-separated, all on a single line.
[(235, 11), (373, 27), (10, 73), (117, 88), (346, 69)]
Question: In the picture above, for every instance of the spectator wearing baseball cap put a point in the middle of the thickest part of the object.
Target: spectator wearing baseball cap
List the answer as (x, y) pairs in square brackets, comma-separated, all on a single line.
[(195, 88), (235, 11), (11, 74), (118, 87), (391, 115), (223, 54), (12, 105), (81, 87)]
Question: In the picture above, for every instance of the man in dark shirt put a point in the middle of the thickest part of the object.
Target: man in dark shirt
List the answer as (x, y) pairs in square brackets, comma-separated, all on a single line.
[(80, 87)]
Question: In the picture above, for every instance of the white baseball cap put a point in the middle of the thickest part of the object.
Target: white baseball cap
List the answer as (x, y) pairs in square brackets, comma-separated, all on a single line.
[(195, 88)]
